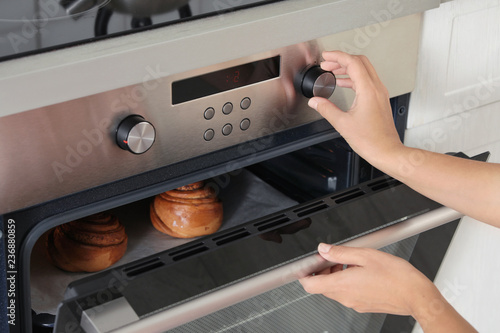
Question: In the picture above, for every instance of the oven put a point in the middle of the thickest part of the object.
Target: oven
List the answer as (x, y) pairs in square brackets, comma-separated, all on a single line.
[(107, 126)]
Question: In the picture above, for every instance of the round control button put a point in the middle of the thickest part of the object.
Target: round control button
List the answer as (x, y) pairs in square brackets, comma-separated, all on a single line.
[(209, 113), (245, 103), (227, 108), (227, 129), (313, 81), (324, 85), (245, 124), (135, 134), (209, 134)]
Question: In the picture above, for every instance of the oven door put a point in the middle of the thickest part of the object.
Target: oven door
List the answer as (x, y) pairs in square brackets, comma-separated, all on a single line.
[(244, 278)]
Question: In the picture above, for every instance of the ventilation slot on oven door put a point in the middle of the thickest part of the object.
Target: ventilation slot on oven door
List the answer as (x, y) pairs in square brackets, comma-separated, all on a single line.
[(311, 208), (143, 267), (272, 222), (231, 236), (346, 196), (188, 251), (383, 184)]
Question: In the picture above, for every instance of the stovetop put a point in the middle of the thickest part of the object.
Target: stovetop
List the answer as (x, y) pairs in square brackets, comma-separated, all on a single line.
[(31, 26)]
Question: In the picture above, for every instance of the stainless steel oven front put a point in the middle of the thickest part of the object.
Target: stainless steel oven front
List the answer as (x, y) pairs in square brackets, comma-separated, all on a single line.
[(108, 125)]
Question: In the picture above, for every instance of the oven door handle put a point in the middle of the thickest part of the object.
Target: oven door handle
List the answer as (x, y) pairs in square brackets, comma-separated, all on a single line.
[(287, 273)]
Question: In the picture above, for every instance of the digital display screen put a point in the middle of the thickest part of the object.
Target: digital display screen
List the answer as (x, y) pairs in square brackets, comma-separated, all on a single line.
[(225, 79)]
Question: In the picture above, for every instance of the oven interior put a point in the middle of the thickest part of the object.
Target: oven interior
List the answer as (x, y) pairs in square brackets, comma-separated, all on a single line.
[(247, 194)]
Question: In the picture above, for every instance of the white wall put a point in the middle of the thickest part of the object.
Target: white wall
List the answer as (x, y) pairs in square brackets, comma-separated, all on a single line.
[(456, 107)]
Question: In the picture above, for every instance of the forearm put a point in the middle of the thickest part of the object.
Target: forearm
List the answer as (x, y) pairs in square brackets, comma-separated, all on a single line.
[(470, 187)]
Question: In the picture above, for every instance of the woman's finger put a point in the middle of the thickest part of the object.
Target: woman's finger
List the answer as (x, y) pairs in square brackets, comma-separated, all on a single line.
[(343, 254), (358, 68), (344, 83), (332, 66)]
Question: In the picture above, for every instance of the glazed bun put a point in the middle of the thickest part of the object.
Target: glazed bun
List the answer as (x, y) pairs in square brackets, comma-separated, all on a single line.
[(90, 244), (188, 211)]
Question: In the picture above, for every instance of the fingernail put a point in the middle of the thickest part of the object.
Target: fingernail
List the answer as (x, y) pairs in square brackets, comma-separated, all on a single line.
[(324, 248), (313, 103)]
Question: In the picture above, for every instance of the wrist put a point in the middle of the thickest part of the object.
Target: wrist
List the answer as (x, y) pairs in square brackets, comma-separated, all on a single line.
[(434, 314), (428, 305), (387, 158)]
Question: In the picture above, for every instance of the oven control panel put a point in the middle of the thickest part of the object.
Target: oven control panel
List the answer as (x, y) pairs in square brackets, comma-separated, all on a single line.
[(225, 104), (168, 119), (239, 101)]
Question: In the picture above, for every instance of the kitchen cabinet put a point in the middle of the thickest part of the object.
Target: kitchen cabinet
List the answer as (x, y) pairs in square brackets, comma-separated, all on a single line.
[(455, 106)]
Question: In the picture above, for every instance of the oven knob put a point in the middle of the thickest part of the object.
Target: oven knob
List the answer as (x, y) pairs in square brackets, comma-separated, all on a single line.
[(315, 82), (135, 134)]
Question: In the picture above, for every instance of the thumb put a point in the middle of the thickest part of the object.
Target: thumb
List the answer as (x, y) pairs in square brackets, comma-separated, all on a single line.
[(327, 109), (344, 255)]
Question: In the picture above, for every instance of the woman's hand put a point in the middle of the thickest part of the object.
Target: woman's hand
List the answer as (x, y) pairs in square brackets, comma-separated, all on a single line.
[(368, 126), (470, 187), (373, 282), (378, 282)]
